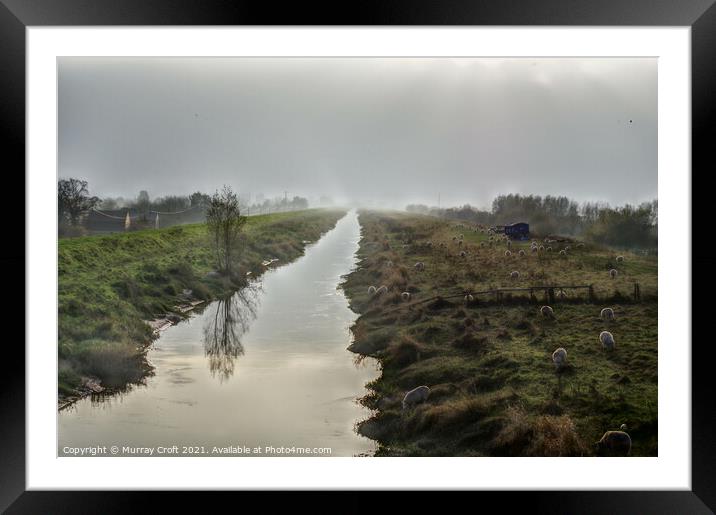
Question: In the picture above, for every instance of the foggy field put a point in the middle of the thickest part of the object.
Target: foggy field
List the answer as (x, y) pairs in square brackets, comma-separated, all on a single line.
[(494, 388), (108, 286)]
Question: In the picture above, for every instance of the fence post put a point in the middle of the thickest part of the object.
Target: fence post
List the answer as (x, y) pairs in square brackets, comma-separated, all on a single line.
[(550, 295), (591, 293)]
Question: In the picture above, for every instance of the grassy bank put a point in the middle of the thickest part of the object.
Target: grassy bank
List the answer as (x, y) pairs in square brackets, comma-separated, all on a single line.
[(109, 285), (494, 389)]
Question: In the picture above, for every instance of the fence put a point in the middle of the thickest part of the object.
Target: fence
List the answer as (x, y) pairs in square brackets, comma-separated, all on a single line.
[(552, 293)]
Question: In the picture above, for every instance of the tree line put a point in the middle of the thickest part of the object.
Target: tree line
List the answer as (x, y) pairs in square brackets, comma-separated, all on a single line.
[(74, 200), (625, 226)]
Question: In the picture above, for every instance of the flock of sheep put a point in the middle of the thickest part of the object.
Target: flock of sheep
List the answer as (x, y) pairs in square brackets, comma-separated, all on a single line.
[(616, 443)]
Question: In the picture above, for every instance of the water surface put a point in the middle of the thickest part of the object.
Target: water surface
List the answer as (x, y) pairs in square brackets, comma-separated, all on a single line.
[(267, 368)]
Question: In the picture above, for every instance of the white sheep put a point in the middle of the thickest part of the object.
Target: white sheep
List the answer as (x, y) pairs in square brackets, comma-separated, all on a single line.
[(562, 252), (567, 248), (514, 274), (561, 294), (541, 248), (607, 314), (416, 396), (614, 443), (405, 296), (547, 312), (607, 340), (613, 273), (382, 290), (420, 266), (509, 243), (389, 264), (508, 253), (620, 259), (461, 237), (371, 290), (469, 298), (534, 249), (559, 358), (522, 253), (459, 242), (463, 254), (482, 244), (549, 249)]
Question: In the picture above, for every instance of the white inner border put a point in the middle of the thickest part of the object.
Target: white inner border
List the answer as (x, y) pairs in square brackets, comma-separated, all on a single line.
[(672, 469)]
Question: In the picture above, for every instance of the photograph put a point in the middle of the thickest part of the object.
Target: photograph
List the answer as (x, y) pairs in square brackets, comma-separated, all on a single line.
[(357, 256)]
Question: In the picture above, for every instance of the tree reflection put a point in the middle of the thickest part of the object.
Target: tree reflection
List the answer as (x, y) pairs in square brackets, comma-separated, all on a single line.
[(224, 328)]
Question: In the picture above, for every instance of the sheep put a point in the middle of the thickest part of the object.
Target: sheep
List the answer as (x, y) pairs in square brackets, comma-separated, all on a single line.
[(607, 340), (547, 312), (533, 249), (371, 290), (607, 314), (382, 290), (514, 274), (614, 443), (405, 296), (562, 252), (620, 259), (613, 273), (416, 396), (508, 253), (561, 294), (522, 253), (429, 244), (482, 244), (463, 254), (469, 298), (461, 237), (389, 264), (541, 248), (509, 243), (580, 245), (420, 266), (549, 249), (459, 243), (567, 248), (559, 358)]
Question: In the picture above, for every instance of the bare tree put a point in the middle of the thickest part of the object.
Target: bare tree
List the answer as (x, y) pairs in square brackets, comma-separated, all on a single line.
[(223, 217), (73, 199)]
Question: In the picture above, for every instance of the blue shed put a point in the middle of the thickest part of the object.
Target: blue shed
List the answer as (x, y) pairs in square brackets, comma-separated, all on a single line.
[(518, 231)]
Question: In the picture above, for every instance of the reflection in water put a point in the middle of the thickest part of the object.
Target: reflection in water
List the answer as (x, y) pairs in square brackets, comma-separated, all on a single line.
[(224, 328), (295, 384)]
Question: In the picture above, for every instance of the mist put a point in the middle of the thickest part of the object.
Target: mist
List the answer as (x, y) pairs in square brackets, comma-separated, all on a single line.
[(377, 132)]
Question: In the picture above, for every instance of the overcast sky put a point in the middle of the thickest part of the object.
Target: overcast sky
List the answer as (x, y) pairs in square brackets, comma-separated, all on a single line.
[(375, 131)]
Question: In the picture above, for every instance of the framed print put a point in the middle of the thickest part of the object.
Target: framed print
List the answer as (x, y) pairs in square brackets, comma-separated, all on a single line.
[(271, 251)]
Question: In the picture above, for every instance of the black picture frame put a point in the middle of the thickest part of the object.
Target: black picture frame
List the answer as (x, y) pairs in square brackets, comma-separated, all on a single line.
[(16, 15)]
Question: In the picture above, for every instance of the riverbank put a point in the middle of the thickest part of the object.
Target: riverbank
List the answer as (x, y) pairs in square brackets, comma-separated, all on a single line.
[(494, 389), (111, 287)]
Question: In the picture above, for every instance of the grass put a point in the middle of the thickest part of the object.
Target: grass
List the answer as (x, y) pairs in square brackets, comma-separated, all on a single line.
[(108, 285), (494, 389)]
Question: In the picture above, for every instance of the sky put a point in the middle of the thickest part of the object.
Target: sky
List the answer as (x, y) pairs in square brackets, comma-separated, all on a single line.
[(382, 132)]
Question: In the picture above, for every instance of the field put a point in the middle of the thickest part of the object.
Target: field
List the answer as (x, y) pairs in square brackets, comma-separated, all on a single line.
[(109, 285), (494, 388)]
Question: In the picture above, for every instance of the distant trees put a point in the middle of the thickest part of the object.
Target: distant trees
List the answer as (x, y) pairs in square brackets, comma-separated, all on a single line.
[(627, 226), (199, 199), (143, 202), (225, 223), (73, 199), (278, 204)]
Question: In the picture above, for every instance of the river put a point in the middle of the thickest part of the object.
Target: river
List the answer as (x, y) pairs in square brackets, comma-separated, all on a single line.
[(265, 372)]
